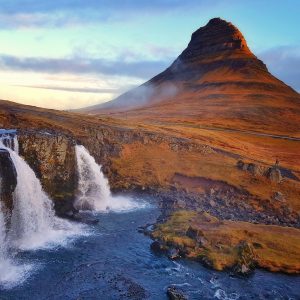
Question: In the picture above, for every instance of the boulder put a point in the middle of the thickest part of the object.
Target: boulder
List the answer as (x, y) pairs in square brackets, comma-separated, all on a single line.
[(274, 174), (256, 170), (173, 253), (175, 294), (156, 247)]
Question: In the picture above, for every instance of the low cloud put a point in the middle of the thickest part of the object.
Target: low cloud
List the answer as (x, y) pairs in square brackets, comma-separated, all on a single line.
[(284, 63), (144, 69)]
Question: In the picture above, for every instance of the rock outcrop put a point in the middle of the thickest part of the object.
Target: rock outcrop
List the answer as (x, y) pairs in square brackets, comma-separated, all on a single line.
[(53, 159), (274, 174), (8, 179)]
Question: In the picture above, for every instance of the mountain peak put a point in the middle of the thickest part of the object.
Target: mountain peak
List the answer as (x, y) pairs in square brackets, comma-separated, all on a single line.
[(216, 37)]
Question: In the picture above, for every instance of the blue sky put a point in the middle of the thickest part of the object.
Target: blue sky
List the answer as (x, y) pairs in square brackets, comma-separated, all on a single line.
[(73, 53)]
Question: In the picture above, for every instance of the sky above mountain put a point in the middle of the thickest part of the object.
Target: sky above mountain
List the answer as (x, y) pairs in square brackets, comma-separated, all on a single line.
[(74, 53)]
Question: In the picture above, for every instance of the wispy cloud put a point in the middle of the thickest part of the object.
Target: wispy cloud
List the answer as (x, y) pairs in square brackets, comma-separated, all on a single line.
[(284, 63), (139, 69), (91, 90), (33, 6), (29, 13)]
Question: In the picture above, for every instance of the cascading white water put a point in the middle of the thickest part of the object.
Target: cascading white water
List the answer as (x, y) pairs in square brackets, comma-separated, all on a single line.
[(10, 272), (33, 215), (93, 188), (33, 223), (3, 249), (16, 144)]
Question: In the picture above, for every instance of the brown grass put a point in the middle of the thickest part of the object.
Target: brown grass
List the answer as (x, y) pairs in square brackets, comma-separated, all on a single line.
[(276, 248)]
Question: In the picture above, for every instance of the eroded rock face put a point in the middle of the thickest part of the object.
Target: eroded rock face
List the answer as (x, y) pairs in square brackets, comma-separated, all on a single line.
[(53, 159), (8, 179)]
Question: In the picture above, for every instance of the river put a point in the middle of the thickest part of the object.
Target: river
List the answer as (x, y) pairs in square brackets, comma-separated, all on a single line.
[(112, 260)]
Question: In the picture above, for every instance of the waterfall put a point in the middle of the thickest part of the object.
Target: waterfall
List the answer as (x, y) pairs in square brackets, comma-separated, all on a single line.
[(33, 215), (93, 188), (33, 224), (33, 221)]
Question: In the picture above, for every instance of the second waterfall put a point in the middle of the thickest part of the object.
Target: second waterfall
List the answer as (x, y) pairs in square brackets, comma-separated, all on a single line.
[(93, 188)]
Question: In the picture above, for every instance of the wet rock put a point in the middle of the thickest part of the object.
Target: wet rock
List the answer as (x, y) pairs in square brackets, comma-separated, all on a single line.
[(157, 247), (8, 179), (175, 294), (147, 229), (173, 253)]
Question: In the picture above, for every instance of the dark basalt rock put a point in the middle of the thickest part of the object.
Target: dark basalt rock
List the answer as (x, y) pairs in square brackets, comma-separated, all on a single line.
[(173, 253), (175, 294), (8, 179), (157, 247), (53, 159)]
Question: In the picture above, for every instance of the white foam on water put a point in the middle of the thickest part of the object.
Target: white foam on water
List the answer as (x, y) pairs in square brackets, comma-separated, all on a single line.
[(33, 224), (93, 189), (222, 295), (11, 273)]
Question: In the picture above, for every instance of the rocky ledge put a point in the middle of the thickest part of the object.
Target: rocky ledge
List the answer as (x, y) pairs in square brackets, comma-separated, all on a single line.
[(228, 245)]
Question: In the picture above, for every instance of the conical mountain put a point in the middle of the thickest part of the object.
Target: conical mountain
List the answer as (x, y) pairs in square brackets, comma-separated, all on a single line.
[(215, 81)]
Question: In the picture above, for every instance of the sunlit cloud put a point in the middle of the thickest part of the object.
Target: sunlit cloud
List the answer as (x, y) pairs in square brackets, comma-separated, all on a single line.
[(61, 91)]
